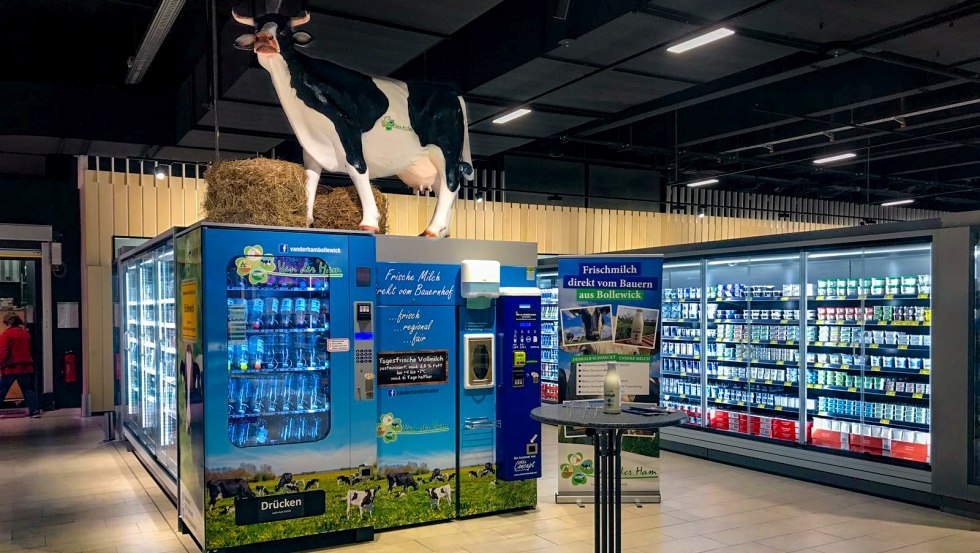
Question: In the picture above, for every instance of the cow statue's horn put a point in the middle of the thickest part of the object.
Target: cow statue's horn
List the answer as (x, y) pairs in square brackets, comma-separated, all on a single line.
[(301, 19), (242, 19)]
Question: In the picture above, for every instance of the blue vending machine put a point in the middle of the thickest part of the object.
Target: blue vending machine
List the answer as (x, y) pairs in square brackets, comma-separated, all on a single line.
[(450, 443), (275, 385)]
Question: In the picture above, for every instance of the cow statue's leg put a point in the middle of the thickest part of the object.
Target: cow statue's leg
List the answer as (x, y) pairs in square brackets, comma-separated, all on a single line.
[(313, 170), (439, 224), (370, 216)]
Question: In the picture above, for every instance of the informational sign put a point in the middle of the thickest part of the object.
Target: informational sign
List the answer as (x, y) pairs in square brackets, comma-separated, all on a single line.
[(67, 314), (279, 507), (236, 324), (590, 372), (609, 312), (188, 305), (335, 345), (412, 368)]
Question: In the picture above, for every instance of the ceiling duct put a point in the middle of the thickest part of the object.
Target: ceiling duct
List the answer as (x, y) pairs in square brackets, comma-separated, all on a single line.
[(157, 32)]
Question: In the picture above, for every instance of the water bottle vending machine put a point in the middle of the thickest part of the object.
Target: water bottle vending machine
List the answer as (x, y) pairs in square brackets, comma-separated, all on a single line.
[(272, 325)]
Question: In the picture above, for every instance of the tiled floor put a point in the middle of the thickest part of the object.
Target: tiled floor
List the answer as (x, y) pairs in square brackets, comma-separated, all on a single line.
[(62, 490)]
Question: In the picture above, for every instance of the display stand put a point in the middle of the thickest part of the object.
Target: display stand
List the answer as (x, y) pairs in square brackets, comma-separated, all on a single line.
[(607, 432)]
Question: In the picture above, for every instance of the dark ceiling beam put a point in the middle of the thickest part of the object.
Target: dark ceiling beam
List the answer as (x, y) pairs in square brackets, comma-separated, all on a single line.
[(921, 65), (794, 65), (374, 21), (543, 108), (507, 36), (937, 167), (932, 19), (910, 130), (837, 125), (581, 63), (762, 36), (911, 89)]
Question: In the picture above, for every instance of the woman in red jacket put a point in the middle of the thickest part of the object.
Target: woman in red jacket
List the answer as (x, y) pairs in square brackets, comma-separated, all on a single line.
[(16, 364)]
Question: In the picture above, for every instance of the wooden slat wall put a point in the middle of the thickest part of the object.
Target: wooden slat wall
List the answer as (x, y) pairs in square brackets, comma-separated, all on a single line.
[(121, 204), (574, 230), (116, 203)]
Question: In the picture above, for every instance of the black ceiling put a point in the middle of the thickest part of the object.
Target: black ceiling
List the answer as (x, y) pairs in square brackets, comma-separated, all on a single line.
[(894, 81)]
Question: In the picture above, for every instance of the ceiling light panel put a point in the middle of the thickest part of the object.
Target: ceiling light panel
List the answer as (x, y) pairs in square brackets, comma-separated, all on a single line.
[(706, 38)]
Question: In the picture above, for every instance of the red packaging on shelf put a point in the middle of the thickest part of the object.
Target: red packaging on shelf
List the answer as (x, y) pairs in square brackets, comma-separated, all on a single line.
[(910, 451)]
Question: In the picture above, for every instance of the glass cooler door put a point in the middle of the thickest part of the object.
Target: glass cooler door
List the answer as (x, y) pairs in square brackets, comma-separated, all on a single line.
[(681, 345), (549, 337), (167, 341), (868, 350), (148, 357), (131, 344), (278, 363), (753, 345)]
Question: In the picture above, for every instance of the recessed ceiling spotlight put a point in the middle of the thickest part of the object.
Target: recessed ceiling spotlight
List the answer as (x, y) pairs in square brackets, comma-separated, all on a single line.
[(566, 42), (834, 158), (159, 172), (702, 183), (897, 202), (706, 38), (479, 197), (516, 114), (701, 213)]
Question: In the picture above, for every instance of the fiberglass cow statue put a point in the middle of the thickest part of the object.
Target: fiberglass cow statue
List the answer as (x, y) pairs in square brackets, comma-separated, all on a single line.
[(348, 122)]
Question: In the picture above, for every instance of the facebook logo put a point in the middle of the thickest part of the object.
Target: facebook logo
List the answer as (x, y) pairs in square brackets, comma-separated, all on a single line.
[(283, 248), (391, 393)]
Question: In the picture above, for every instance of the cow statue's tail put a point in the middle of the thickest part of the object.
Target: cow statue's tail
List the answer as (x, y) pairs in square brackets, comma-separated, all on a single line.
[(466, 159)]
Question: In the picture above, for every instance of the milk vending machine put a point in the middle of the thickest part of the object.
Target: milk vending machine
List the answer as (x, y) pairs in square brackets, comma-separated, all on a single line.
[(273, 410), (330, 384)]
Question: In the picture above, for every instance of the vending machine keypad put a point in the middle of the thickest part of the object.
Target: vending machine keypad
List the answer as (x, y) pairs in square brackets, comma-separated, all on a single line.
[(364, 350)]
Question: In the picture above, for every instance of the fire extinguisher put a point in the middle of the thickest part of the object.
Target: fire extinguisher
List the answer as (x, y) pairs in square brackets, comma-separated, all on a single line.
[(71, 366)]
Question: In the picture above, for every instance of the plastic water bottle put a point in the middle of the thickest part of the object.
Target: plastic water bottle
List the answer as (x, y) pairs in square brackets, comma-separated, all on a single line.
[(256, 351), (286, 312), (611, 390), (314, 318), (299, 313), (271, 316), (255, 313)]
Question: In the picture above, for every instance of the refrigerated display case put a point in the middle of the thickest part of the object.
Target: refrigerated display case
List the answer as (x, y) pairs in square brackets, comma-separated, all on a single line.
[(681, 343), (868, 350), (752, 312), (822, 347), (549, 337), (148, 350)]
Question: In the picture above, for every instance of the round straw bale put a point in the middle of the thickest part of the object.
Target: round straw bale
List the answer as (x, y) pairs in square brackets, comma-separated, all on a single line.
[(340, 208), (256, 191)]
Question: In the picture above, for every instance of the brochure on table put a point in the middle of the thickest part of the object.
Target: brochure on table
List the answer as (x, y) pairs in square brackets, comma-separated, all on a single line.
[(609, 310)]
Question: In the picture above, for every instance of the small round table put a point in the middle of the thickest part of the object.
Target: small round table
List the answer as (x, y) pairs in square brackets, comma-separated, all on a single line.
[(607, 438)]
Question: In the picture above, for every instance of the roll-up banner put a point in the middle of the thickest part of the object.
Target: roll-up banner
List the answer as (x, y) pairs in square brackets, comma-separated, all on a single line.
[(609, 310)]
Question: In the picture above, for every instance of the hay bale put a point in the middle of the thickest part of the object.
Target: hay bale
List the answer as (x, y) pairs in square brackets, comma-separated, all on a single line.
[(256, 191), (340, 208)]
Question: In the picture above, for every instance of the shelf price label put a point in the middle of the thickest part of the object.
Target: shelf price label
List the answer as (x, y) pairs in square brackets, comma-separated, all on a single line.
[(889, 296), (924, 371), (784, 321), (876, 369), (845, 367), (917, 396), (885, 421), (769, 382), (890, 393), (741, 404), (780, 362), (778, 407), (923, 296), (788, 383), (820, 298), (760, 406), (872, 346), (852, 389), (903, 346)]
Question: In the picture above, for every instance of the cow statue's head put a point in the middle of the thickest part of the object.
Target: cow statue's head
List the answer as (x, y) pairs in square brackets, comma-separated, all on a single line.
[(272, 33)]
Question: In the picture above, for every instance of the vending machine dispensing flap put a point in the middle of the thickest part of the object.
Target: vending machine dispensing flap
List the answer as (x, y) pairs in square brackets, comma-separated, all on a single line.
[(518, 383), (478, 361)]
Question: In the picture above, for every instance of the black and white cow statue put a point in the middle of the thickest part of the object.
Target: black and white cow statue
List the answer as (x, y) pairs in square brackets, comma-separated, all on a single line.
[(348, 122)]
